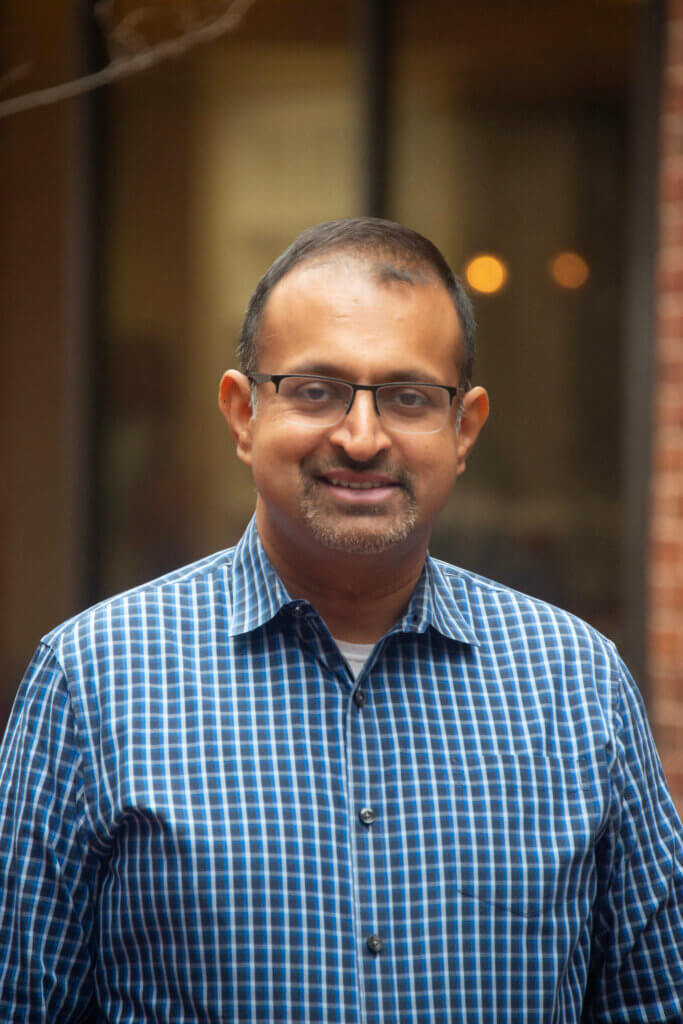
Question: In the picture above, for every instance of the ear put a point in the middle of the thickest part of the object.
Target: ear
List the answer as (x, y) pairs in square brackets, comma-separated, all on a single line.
[(234, 401), (475, 411)]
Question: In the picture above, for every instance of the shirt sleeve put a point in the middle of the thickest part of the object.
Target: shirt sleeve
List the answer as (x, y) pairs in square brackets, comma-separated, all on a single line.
[(637, 965), (47, 868)]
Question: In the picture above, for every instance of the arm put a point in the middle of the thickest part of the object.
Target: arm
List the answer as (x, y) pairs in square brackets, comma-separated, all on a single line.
[(47, 865), (637, 967)]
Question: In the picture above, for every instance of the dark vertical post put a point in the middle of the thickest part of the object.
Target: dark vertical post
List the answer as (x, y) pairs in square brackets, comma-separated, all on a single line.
[(640, 335), (86, 355), (376, 18)]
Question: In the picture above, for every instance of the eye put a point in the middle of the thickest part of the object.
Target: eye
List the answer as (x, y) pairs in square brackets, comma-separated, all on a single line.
[(314, 392), (410, 398), (311, 391)]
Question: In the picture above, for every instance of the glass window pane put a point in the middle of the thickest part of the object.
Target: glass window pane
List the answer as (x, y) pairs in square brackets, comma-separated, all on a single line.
[(511, 144), (214, 165)]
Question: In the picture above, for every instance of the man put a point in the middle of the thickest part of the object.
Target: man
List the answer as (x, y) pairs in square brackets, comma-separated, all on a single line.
[(322, 776)]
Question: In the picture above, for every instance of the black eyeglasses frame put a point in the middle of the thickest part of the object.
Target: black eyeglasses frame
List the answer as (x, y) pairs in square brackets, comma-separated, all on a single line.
[(277, 378)]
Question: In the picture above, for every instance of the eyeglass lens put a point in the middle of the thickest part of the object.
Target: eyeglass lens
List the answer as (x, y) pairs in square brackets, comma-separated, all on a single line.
[(408, 408)]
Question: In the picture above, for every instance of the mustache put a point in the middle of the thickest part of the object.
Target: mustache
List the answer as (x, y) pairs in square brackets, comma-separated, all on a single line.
[(377, 464)]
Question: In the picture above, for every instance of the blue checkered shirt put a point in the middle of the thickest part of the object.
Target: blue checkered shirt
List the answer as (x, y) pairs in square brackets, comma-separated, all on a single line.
[(204, 818)]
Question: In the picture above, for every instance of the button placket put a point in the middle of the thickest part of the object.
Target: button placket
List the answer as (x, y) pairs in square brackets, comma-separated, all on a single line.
[(367, 842), (313, 635)]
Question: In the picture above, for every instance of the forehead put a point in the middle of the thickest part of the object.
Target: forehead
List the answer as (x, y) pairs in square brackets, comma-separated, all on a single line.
[(357, 313)]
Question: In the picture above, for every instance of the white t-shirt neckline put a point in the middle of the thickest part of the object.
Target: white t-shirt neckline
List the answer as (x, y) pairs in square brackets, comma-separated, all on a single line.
[(355, 654)]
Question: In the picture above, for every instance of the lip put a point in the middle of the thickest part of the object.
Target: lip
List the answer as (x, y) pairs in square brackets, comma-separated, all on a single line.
[(349, 478), (359, 488)]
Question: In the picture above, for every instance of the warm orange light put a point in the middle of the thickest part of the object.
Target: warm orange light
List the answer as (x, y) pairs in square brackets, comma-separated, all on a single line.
[(569, 270), (486, 273)]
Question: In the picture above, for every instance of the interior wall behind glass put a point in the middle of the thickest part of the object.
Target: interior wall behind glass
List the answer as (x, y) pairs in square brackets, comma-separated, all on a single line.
[(524, 175), (275, 151), (214, 166)]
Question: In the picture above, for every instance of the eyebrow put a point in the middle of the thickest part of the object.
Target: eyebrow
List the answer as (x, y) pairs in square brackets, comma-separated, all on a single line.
[(412, 374)]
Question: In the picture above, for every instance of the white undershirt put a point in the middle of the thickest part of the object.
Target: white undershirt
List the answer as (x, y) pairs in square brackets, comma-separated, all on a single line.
[(355, 654)]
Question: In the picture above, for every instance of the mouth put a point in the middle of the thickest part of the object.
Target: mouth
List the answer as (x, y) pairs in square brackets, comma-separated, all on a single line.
[(361, 488)]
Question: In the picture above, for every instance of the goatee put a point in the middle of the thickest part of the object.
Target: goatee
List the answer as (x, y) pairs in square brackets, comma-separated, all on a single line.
[(360, 529)]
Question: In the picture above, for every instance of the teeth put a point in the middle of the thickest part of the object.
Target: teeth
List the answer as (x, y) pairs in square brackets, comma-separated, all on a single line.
[(356, 486)]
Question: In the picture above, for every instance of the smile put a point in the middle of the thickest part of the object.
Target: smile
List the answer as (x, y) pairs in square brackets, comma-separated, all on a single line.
[(355, 486), (368, 494)]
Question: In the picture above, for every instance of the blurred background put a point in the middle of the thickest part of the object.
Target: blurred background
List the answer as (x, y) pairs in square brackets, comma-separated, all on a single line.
[(525, 138)]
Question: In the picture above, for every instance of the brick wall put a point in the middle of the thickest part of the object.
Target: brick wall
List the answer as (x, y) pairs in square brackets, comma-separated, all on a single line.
[(666, 529)]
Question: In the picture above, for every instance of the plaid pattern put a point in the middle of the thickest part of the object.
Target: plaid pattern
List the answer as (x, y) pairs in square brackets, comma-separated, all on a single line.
[(181, 836)]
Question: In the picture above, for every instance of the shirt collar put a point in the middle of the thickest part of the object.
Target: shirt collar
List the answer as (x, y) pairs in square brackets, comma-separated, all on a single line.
[(440, 599), (258, 593)]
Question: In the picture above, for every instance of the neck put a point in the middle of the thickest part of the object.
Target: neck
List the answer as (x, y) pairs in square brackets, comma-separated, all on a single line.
[(360, 597)]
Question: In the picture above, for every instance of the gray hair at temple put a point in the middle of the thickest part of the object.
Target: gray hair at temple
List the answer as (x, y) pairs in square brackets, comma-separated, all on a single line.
[(394, 253)]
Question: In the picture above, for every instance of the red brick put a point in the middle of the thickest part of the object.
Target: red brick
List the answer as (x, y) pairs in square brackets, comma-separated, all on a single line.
[(665, 582), (671, 132), (668, 458), (664, 683), (670, 344), (666, 488), (669, 740), (669, 595), (668, 413), (670, 278), (668, 388), (669, 303), (672, 370), (671, 252), (670, 229), (670, 322), (673, 100), (667, 510), (674, 778), (666, 646), (667, 552)]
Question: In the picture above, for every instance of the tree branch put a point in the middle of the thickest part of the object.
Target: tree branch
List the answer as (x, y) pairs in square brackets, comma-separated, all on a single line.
[(121, 67)]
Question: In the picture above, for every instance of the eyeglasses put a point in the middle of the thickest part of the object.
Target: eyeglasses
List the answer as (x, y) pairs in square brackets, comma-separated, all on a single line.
[(408, 407)]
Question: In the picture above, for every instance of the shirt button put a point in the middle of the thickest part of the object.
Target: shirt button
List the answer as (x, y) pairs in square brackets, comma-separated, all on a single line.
[(359, 698), (366, 815), (374, 944)]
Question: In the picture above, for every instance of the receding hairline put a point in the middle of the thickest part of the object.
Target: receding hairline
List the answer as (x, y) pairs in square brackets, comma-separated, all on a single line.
[(383, 266)]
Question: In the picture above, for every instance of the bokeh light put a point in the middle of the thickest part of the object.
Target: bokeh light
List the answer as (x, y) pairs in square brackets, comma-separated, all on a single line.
[(486, 273), (569, 270)]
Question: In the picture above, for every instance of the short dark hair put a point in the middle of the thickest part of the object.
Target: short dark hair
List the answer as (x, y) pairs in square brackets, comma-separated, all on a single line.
[(400, 250)]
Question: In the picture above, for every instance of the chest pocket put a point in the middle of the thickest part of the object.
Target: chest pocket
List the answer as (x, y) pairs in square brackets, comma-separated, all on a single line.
[(527, 826)]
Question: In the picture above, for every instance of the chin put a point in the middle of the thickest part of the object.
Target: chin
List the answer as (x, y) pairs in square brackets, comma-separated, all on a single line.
[(355, 538)]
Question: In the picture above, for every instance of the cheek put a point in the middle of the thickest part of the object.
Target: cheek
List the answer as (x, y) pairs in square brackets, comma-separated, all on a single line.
[(277, 447), (434, 460)]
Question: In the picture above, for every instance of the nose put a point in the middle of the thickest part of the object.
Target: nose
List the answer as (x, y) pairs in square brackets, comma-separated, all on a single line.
[(361, 432)]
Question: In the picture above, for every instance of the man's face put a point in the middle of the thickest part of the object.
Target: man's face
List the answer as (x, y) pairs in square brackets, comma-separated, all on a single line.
[(357, 486)]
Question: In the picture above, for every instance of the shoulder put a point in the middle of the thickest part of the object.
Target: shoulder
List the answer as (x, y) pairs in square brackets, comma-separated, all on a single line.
[(182, 594), (529, 653), (503, 617)]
